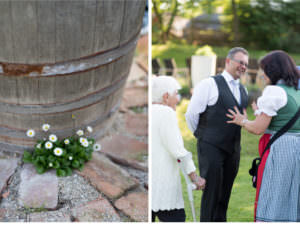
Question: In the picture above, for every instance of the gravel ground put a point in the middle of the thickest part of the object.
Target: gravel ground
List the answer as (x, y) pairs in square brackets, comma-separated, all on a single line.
[(74, 191)]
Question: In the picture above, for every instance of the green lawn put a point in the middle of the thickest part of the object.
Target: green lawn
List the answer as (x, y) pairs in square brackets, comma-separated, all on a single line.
[(182, 51), (241, 203)]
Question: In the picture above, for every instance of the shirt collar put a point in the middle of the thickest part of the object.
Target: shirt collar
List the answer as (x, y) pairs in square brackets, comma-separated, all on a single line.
[(228, 77)]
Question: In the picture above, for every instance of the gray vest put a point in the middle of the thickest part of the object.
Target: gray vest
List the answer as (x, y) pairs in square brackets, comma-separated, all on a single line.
[(212, 127)]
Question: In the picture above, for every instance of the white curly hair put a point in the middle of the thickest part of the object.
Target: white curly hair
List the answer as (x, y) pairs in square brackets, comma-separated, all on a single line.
[(162, 85)]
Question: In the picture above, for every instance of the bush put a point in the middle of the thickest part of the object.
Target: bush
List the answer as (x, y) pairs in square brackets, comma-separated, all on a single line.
[(206, 50)]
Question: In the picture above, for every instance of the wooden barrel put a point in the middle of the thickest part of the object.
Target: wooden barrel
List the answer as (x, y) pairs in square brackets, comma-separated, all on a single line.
[(64, 63)]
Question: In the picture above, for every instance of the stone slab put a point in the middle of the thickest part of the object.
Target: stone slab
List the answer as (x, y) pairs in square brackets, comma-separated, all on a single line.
[(50, 216), (137, 123), (2, 214), (38, 190), (7, 169), (134, 97), (107, 177), (126, 151), (99, 210), (136, 72), (134, 205)]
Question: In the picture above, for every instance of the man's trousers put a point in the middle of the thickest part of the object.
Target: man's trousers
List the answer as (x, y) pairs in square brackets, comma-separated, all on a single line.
[(219, 168)]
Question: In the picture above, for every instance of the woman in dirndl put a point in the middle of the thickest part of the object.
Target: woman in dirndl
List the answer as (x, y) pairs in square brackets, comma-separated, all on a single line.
[(278, 187)]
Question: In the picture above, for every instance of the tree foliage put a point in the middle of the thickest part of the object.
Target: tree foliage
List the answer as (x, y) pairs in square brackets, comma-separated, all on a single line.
[(269, 24), (165, 12), (259, 24)]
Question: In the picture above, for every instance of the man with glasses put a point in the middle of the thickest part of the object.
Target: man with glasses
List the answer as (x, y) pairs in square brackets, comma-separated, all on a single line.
[(218, 143)]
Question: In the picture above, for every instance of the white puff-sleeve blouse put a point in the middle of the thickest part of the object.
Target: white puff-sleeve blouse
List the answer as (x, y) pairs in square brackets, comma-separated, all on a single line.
[(166, 147), (273, 98)]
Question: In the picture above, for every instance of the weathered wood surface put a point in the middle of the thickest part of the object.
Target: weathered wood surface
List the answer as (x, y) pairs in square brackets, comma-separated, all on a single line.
[(64, 63)]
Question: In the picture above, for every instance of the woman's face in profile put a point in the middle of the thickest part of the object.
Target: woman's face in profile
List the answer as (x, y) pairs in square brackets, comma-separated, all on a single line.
[(266, 78), (171, 100)]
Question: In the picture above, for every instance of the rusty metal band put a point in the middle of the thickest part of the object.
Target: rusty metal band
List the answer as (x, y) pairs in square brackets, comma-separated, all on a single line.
[(73, 66)]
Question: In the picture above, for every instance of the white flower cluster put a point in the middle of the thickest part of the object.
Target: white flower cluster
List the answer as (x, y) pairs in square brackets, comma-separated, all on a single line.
[(84, 142), (53, 138)]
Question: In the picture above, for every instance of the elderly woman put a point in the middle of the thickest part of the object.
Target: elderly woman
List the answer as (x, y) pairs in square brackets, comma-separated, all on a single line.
[(278, 198), (167, 147)]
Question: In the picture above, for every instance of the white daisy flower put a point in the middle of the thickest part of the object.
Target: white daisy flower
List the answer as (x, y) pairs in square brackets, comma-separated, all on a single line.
[(46, 127), (44, 139), (50, 164), (82, 139), (85, 144), (30, 133), (79, 132), (39, 145), (52, 138), (70, 157), (96, 147), (89, 129), (67, 141), (48, 145), (58, 151)]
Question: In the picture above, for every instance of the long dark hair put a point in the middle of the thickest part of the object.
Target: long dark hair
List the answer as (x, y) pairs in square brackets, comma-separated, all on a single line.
[(279, 65)]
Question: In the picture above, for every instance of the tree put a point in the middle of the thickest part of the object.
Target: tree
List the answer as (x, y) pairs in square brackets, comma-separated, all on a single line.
[(161, 8), (235, 23), (270, 24)]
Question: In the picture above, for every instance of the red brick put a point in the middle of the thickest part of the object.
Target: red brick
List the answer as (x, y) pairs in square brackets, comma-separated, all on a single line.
[(107, 177), (125, 150), (99, 210), (134, 205), (137, 124), (134, 97)]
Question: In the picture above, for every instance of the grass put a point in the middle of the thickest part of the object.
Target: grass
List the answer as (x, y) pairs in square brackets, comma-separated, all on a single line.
[(182, 51), (241, 205)]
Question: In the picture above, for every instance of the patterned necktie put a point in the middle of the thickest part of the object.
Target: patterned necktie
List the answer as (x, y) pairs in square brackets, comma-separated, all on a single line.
[(236, 91)]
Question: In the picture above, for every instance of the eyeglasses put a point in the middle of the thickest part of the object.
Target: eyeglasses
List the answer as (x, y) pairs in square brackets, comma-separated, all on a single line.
[(240, 62)]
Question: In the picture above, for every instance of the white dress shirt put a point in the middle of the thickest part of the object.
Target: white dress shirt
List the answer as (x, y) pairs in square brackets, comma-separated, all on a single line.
[(206, 94), (166, 147)]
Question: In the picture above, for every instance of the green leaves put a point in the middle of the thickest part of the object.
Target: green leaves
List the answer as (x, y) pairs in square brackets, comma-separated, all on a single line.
[(40, 169), (74, 156), (76, 164), (27, 158), (61, 173)]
